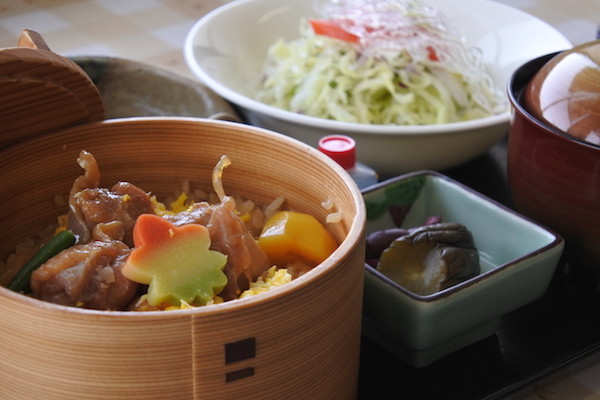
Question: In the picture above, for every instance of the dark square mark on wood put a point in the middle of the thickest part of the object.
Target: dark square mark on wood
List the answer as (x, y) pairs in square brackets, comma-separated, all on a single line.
[(239, 374), (241, 350)]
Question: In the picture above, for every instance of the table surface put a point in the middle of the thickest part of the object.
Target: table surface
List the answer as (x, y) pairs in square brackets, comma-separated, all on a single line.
[(153, 31)]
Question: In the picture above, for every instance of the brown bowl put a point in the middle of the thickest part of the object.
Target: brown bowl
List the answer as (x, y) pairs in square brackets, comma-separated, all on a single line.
[(554, 178), (131, 88), (299, 341)]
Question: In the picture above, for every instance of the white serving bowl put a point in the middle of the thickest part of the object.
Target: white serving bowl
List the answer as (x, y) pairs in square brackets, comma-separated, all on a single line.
[(226, 50)]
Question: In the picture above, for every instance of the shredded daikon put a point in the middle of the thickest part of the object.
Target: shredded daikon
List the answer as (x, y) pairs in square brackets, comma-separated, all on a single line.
[(217, 176), (274, 206), (409, 67), (334, 217)]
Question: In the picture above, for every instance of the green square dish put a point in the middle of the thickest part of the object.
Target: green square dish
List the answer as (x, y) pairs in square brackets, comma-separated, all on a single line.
[(518, 258)]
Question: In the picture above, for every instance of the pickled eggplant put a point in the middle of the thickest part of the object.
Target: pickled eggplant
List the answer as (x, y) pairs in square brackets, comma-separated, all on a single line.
[(431, 258), (378, 241)]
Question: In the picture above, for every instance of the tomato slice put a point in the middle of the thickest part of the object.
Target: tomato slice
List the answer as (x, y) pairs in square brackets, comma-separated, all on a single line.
[(432, 54), (333, 30)]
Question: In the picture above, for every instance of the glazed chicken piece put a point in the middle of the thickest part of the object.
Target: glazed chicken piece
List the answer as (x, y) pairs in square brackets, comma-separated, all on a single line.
[(197, 213), (86, 275), (246, 261), (90, 205)]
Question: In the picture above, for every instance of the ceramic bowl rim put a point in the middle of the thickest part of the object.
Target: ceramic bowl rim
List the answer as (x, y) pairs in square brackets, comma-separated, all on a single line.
[(127, 62), (465, 285), (227, 113)]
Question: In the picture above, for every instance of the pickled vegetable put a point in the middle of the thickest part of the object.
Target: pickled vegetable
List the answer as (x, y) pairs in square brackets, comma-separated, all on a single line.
[(378, 241), (431, 258)]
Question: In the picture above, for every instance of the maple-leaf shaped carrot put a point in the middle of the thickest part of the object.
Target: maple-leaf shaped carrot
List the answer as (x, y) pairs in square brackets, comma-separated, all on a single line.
[(175, 262)]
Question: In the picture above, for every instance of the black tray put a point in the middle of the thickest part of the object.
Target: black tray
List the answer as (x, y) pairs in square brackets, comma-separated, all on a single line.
[(533, 341)]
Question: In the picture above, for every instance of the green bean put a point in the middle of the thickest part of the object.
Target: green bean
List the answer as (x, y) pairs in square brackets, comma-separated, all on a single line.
[(61, 241)]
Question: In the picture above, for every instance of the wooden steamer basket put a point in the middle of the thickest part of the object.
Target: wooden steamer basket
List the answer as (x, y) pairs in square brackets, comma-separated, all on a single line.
[(298, 341)]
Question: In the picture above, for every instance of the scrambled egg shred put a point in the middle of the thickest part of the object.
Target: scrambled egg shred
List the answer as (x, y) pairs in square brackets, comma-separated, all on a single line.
[(274, 277), (177, 206)]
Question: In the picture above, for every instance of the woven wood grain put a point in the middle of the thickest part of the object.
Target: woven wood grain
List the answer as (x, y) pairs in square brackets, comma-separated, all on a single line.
[(299, 341), (42, 92)]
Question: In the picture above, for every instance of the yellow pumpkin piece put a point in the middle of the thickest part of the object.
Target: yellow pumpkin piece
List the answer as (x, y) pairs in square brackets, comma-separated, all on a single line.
[(290, 236)]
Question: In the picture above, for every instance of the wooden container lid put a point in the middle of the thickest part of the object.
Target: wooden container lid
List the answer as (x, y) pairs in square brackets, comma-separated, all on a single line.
[(42, 91)]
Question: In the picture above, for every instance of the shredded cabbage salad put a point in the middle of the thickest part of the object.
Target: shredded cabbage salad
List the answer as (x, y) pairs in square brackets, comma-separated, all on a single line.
[(379, 62)]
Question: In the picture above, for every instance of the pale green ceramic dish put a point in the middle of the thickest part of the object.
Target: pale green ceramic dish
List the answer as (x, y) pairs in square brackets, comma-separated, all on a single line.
[(518, 258)]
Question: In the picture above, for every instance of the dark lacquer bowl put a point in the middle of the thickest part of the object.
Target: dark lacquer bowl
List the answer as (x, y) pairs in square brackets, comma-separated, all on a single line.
[(554, 178)]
